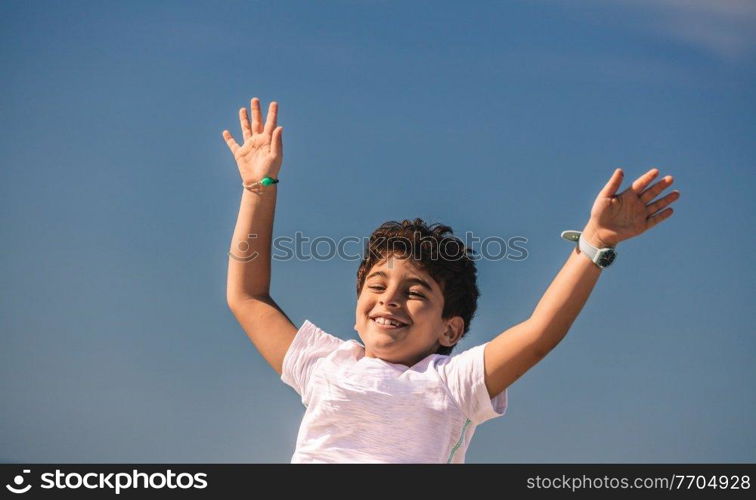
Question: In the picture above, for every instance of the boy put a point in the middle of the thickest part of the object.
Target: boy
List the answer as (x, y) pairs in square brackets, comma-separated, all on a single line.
[(399, 396)]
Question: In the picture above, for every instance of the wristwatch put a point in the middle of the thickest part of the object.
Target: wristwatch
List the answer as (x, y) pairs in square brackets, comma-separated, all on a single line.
[(602, 257)]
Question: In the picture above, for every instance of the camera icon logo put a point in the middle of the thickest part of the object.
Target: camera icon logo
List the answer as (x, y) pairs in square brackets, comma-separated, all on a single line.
[(18, 481)]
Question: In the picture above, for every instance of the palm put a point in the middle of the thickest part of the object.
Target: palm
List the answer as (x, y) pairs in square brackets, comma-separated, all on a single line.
[(261, 154), (633, 211), (255, 155)]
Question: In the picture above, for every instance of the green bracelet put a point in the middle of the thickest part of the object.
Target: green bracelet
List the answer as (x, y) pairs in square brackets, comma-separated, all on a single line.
[(265, 181)]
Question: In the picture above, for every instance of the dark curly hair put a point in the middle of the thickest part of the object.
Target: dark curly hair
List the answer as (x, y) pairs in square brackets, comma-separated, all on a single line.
[(436, 251)]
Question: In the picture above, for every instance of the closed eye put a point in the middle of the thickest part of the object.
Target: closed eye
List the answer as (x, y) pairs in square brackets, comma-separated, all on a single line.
[(411, 292)]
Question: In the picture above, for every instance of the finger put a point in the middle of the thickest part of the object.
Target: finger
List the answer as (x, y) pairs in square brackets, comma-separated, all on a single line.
[(232, 145), (641, 182), (651, 193), (256, 116), (613, 185), (277, 143), (270, 124), (658, 205), (657, 218), (244, 120)]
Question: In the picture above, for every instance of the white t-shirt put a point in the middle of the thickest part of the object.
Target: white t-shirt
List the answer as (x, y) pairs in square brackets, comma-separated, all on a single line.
[(362, 409)]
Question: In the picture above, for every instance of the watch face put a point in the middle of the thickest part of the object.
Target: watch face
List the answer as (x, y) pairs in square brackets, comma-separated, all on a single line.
[(606, 258)]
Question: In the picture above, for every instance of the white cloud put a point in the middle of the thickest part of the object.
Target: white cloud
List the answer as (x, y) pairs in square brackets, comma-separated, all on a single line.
[(726, 28), (723, 28)]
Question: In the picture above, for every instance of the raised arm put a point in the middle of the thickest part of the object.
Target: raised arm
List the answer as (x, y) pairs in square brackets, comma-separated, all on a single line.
[(614, 218), (248, 284)]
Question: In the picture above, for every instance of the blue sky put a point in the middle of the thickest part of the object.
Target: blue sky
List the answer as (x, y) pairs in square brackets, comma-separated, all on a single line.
[(119, 198)]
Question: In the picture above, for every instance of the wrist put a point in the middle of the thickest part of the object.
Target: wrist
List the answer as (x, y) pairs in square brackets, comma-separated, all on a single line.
[(593, 244), (265, 183), (596, 238)]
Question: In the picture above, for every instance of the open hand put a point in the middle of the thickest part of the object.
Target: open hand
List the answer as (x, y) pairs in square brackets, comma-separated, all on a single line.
[(615, 218), (262, 152)]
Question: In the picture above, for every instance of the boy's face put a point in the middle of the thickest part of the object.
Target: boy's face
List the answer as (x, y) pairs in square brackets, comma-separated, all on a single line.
[(398, 288)]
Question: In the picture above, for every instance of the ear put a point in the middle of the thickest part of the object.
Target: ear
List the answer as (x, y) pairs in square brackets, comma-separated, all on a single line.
[(454, 328)]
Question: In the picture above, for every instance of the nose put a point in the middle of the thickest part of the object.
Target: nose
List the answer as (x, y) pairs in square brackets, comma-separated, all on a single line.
[(390, 298)]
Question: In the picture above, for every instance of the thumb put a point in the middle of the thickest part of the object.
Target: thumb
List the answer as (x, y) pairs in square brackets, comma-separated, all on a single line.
[(613, 185), (277, 142)]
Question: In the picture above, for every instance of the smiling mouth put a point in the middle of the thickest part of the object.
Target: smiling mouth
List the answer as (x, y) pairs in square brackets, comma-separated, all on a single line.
[(386, 325)]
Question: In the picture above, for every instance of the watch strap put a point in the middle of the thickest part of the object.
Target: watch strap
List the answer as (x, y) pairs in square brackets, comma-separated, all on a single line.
[(589, 250), (593, 253), (571, 235)]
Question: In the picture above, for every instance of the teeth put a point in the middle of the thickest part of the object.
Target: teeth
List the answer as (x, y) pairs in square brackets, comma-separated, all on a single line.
[(385, 321)]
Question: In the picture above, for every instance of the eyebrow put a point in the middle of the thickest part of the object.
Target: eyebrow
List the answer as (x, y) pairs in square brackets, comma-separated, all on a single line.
[(419, 281)]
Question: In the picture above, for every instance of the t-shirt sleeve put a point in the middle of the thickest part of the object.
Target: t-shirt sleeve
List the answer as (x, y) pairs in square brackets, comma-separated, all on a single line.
[(464, 375), (310, 344)]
